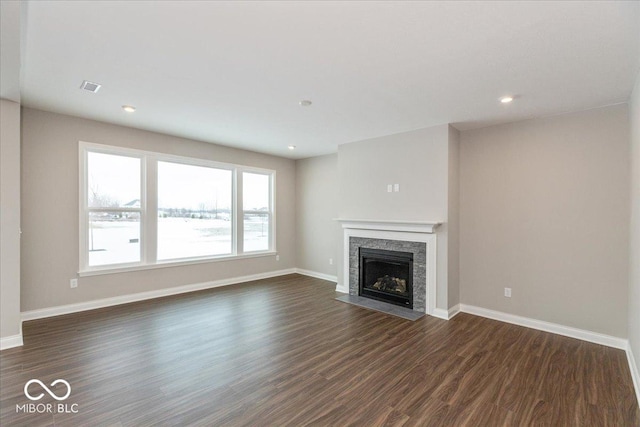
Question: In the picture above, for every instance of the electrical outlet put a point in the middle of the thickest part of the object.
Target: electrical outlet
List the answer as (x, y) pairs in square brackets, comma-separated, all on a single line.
[(73, 283), (330, 261), (389, 188), (396, 187), (507, 292), (277, 257)]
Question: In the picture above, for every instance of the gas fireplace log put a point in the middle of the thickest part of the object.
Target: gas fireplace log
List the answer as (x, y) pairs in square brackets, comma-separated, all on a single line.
[(391, 284)]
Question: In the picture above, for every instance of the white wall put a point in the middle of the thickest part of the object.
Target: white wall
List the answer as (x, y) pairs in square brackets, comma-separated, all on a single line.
[(50, 211), (545, 211), (317, 232), (634, 253), (10, 324), (419, 162)]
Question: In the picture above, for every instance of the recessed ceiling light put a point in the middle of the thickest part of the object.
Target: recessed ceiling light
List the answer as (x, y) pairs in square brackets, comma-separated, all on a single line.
[(129, 108), (305, 103), (506, 99), (291, 147), (90, 86)]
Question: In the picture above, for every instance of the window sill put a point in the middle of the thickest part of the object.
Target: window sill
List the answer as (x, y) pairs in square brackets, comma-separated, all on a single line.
[(115, 270)]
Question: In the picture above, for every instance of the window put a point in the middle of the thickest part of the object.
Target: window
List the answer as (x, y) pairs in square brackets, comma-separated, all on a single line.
[(256, 203), (142, 209), (114, 209), (194, 211)]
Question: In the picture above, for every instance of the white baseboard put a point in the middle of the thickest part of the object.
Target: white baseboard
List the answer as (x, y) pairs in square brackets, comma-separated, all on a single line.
[(635, 375), (440, 313), (317, 275), (541, 325), (342, 288), (10, 342), (124, 299), (454, 310)]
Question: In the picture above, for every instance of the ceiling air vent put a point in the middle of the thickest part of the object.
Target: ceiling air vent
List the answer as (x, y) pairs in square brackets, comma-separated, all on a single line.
[(90, 86)]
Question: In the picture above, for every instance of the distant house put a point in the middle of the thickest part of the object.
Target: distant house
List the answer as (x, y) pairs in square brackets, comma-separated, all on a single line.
[(133, 204)]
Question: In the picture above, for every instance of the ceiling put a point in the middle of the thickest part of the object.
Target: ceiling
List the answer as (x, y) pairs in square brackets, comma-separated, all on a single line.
[(10, 50), (233, 73)]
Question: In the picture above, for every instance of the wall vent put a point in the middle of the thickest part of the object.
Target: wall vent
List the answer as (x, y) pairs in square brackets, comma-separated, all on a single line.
[(90, 86)]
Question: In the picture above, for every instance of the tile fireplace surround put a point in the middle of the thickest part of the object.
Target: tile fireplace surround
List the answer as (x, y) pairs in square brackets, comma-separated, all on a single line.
[(418, 238), (419, 251)]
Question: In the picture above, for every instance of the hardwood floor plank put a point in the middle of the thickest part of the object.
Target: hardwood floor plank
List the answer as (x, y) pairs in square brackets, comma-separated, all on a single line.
[(282, 352)]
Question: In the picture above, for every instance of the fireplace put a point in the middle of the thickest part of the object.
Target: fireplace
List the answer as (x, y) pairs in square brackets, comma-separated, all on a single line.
[(417, 238), (386, 276)]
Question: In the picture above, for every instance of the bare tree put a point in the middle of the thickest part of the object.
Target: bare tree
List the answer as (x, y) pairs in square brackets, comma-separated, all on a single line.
[(99, 200)]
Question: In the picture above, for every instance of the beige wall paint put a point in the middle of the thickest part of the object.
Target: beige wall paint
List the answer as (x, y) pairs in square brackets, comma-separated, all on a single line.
[(318, 235), (419, 162), (545, 211), (10, 323), (416, 160), (453, 215), (634, 252), (50, 211)]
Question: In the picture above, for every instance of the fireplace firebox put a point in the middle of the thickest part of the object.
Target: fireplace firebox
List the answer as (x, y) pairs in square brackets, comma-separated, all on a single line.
[(387, 276)]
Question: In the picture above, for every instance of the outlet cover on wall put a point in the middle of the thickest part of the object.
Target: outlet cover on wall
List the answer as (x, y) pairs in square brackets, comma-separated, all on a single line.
[(389, 188), (507, 292), (73, 283), (277, 257), (330, 261), (396, 187)]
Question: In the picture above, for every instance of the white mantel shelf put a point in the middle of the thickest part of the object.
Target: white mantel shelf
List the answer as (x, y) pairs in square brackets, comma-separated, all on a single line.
[(389, 225)]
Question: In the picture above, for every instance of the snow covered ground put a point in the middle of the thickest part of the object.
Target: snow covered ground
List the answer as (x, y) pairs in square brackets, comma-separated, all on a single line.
[(114, 242)]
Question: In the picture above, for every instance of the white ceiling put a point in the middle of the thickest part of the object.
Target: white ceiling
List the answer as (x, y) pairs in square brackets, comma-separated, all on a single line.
[(233, 72), (10, 50)]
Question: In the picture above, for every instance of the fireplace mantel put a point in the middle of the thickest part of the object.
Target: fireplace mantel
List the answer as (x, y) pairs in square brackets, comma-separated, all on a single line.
[(389, 225), (398, 230)]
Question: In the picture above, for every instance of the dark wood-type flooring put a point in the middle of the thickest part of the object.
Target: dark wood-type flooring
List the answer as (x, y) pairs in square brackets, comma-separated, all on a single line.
[(283, 352)]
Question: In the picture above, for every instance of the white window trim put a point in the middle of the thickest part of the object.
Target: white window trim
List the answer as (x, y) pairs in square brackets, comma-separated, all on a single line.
[(149, 202), (121, 268), (84, 205)]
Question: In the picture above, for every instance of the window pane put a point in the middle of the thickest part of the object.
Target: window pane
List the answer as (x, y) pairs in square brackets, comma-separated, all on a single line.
[(114, 237), (256, 232), (255, 192), (194, 211), (256, 197), (114, 181)]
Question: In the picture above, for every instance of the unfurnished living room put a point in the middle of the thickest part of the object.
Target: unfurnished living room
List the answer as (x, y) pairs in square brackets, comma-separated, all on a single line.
[(327, 213)]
